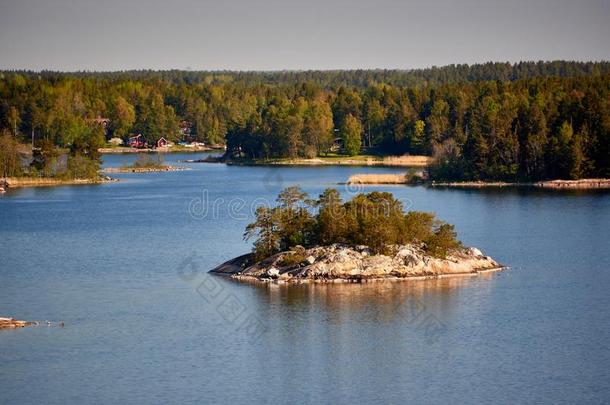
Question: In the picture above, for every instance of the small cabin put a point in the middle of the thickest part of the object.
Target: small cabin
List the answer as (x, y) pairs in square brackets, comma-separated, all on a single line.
[(137, 141), (162, 143)]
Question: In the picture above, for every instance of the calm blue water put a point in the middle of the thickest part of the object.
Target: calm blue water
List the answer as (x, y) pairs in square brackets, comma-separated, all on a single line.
[(123, 265)]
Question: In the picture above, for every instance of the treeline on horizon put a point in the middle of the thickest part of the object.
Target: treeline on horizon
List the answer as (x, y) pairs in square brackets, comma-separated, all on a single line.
[(496, 121), (454, 73)]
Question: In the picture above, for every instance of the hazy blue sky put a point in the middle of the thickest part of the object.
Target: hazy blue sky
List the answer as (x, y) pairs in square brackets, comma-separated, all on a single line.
[(314, 34)]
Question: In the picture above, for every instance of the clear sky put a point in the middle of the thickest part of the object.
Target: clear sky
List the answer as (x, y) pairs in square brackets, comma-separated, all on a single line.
[(285, 34)]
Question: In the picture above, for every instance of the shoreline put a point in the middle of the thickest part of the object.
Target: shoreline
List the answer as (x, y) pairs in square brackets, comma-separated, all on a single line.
[(21, 182), (580, 184), (144, 169), (120, 150), (339, 263), (363, 160), (391, 279), (11, 323), (400, 179)]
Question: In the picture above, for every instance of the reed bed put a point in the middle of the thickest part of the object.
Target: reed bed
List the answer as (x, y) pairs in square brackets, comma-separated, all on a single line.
[(388, 178)]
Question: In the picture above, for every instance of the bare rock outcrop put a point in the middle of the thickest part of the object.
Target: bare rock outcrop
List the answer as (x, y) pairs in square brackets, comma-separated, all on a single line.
[(345, 263), (10, 323)]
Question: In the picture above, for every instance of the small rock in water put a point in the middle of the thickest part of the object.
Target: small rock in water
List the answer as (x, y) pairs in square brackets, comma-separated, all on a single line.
[(11, 323)]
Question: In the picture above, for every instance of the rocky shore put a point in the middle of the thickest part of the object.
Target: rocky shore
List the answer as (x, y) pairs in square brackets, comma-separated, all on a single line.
[(340, 263), (478, 184), (362, 160), (388, 161), (419, 178), (15, 182), (144, 169), (582, 184), (575, 184), (10, 323)]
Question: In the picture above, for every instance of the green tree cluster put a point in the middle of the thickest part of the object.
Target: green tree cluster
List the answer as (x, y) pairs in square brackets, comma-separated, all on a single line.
[(376, 220), (10, 156)]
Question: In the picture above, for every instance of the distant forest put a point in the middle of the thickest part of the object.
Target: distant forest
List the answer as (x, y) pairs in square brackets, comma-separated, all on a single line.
[(494, 121)]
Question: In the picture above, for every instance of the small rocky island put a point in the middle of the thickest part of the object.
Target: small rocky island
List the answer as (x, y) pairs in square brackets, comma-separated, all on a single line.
[(165, 168), (368, 238), (11, 323), (357, 264)]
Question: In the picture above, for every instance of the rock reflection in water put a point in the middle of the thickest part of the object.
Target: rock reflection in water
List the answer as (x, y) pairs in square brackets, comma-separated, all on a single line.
[(382, 302)]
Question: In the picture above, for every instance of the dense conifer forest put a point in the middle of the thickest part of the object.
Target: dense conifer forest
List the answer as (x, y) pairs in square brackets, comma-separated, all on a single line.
[(494, 121)]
